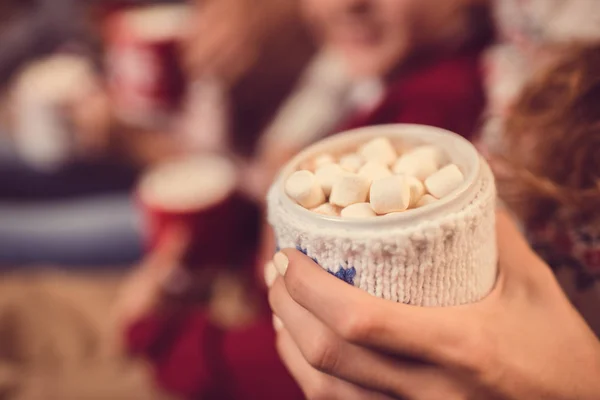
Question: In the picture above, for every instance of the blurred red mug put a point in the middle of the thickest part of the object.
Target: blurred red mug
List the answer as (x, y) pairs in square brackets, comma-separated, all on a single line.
[(200, 194), (145, 76)]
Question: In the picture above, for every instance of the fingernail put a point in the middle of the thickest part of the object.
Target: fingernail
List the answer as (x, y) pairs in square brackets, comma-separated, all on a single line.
[(277, 323), (270, 273), (281, 263)]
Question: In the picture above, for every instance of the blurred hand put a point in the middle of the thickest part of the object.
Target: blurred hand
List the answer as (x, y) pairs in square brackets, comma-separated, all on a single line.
[(226, 36), (523, 341), (142, 290), (92, 117), (258, 176)]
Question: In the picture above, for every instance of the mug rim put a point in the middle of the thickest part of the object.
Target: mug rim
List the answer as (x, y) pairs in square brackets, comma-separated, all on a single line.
[(458, 149), (227, 167)]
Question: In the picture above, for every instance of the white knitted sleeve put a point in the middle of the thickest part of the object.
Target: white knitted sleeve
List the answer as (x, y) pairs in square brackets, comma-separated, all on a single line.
[(448, 260)]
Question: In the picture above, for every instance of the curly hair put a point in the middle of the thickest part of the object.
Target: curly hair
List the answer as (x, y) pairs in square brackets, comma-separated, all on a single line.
[(552, 138)]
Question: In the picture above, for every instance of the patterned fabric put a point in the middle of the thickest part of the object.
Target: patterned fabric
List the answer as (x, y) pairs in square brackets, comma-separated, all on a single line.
[(346, 274), (573, 244), (571, 247)]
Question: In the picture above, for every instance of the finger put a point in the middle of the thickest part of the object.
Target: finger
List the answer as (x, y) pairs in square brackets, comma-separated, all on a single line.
[(204, 47), (225, 64), (324, 351), (315, 384), (432, 334), (365, 367)]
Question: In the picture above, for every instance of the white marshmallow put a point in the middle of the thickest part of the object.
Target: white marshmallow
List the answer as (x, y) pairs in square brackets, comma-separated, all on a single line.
[(327, 174), (373, 170), (417, 190), (358, 210), (431, 152), (351, 162), (327, 209), (425, 200), (415, 165), (349, 189), (390, 194), (379, 149), (323, 159), (302, 186), (444, 181)]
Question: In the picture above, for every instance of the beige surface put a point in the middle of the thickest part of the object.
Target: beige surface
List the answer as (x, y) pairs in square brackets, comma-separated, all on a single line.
[(56, 341)]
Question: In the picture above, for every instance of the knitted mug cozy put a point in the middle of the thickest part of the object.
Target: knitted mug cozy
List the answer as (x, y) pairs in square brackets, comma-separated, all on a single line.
[(441, 256)]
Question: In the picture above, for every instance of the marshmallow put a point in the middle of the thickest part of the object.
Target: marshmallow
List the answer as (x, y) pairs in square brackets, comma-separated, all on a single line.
[(425, 200), (430, 152), (358, 210), (349, 189), (327, 174), (327, 209), (444, 181), (351, 162), (417, 190), (302, 186), (379, 149), (390, 194), (323, 159), (373, 170), (415, 165)]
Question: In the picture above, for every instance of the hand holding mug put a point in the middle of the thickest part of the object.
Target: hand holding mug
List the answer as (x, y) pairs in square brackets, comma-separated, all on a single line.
[(524, 340)]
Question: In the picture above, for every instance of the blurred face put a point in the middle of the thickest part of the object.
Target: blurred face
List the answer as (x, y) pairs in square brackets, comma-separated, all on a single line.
[(371, 34), (375, 35)]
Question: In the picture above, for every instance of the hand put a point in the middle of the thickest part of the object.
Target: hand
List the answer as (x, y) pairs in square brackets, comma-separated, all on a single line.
[(142, 290), (523, 341), (259, 175), (226, 36), (92, 117)]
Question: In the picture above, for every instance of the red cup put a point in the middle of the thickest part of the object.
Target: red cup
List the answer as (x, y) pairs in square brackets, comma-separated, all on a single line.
[(146, 79), (201, 195)]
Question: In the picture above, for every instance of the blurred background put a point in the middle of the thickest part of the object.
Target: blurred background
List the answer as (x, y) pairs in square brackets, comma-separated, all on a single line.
[(95, 94), (137, 143)]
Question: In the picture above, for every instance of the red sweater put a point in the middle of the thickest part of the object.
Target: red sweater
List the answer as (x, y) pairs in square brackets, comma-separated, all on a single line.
[(446, 93), (194, 359)]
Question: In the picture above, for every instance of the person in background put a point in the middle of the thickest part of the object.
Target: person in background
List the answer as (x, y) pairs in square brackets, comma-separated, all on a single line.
[(426, 75), (399, 62)]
